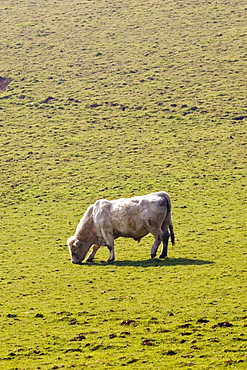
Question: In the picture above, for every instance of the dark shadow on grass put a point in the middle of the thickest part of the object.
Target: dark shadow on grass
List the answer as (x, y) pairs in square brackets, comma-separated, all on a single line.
[(152, 262)]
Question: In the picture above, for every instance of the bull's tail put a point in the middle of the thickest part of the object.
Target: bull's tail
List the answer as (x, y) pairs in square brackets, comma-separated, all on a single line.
[(172, 235), (169, 216)]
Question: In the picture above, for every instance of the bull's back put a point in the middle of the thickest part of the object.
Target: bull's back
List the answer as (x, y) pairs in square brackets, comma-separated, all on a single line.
[(131, 217)]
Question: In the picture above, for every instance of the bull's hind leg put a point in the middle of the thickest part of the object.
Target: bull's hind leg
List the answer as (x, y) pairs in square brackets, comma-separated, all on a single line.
[(157, 240), (164, 244)]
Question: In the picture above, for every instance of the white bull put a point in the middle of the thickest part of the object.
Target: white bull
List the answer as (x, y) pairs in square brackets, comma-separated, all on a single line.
[(134, 218)]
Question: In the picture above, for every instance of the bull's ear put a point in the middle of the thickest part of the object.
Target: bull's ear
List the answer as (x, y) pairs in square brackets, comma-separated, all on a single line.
[(77, 243)]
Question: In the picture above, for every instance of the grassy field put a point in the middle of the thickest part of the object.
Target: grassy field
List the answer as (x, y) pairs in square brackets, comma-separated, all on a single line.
[(113, 99)]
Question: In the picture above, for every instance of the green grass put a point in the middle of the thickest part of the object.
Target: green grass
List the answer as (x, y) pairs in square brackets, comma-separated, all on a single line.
[(148, 96)]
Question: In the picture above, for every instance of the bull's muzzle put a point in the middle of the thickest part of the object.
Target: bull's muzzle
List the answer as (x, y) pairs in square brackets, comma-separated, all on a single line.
[(76, 262)]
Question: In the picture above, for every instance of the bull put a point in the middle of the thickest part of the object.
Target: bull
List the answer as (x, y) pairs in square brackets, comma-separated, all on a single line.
[(135, 217)]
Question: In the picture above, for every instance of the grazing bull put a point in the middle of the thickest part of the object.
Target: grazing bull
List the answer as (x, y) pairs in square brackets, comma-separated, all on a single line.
[(134, 218)]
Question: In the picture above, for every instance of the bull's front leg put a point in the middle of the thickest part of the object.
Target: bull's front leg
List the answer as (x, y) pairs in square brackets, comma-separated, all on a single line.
[(112, 254), (92, 254), (109, 242)]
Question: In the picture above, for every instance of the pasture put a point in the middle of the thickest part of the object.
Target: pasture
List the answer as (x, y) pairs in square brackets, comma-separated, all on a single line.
[(112, 99)]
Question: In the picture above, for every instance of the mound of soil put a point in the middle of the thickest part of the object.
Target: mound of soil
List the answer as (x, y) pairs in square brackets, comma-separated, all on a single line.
[(4, 81)]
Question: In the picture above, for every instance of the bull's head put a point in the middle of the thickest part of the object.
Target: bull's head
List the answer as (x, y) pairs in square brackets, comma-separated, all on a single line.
[(77, 250)]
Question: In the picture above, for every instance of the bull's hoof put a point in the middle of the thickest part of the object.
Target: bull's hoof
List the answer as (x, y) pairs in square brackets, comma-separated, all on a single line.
[(162, 256), (111, 259), (90, 260), (153, 255)]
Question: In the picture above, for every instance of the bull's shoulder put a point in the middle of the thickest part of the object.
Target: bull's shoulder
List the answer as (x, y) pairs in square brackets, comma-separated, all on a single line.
[(102, 208), (102, 203)]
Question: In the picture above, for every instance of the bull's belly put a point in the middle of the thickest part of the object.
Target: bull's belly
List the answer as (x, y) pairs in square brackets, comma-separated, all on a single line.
[(134, 234), (129, 223)]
